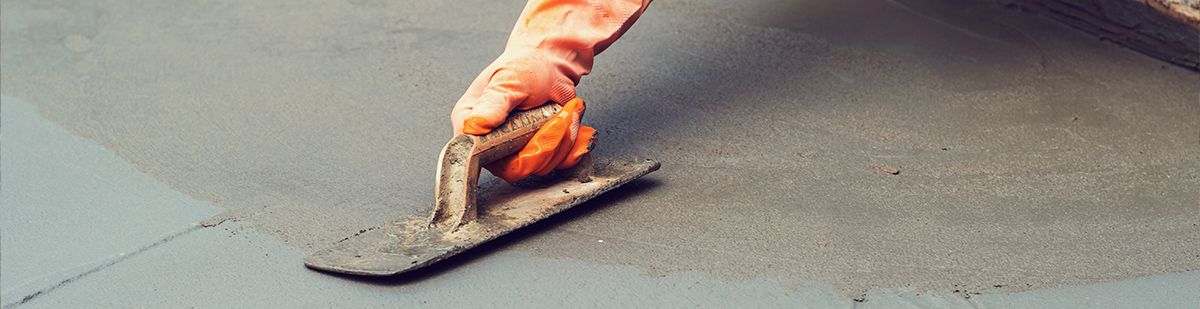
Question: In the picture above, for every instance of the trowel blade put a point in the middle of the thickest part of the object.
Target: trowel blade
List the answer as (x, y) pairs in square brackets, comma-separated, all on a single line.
[(408, 243)]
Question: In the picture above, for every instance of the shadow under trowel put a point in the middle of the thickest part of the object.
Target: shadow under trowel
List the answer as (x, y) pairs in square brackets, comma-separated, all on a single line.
[(617, 195)]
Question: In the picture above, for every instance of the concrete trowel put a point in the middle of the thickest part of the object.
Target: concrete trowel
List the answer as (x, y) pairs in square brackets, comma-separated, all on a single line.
[(464, 216)]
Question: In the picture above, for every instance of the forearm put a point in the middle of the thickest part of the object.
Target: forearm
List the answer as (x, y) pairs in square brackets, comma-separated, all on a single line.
[(574, 31)]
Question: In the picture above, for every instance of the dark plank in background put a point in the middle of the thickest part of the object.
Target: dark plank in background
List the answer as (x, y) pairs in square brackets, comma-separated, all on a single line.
[(1163, 29)]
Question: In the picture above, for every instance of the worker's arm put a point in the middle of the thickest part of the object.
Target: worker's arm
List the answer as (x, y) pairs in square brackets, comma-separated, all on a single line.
[(550, 49)]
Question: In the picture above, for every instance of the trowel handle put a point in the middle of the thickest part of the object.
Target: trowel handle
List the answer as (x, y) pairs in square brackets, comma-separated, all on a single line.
[(458, 165), (511, 136)]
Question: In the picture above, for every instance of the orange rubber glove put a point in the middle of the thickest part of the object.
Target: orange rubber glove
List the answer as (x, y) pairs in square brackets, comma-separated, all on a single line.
[(559, 144), (549, 50)]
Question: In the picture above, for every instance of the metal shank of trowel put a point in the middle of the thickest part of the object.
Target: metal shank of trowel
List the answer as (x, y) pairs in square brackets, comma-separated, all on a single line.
[(458, 165)]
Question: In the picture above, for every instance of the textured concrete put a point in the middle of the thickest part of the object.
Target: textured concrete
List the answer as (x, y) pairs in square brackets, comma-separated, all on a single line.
[(1031, 156)]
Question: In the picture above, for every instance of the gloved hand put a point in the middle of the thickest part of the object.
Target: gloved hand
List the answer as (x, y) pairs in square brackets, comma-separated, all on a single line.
[(549, 50), (559, 144)]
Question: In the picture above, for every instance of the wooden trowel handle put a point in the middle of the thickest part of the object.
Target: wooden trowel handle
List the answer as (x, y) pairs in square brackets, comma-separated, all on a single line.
[(458, 165)]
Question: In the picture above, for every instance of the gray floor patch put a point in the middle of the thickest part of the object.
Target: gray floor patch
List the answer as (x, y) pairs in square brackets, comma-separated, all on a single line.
[(230, 266), (71, 206), (75, 212)]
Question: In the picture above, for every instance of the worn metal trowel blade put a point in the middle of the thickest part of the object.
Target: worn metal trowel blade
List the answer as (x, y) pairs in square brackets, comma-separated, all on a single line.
[(408, 243)]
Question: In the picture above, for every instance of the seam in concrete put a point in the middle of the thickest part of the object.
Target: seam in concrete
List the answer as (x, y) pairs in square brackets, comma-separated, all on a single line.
[(972, 303), (107, 263), (938, 21)]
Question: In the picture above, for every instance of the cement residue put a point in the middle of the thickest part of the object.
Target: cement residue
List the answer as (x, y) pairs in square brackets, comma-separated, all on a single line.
[(1032, 155)]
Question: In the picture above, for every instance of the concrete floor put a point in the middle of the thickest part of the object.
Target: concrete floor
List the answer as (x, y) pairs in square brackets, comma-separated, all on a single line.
[(1038, 166)]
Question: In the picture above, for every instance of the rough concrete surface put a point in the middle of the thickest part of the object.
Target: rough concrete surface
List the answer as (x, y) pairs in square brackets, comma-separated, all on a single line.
[(1031, 156)]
